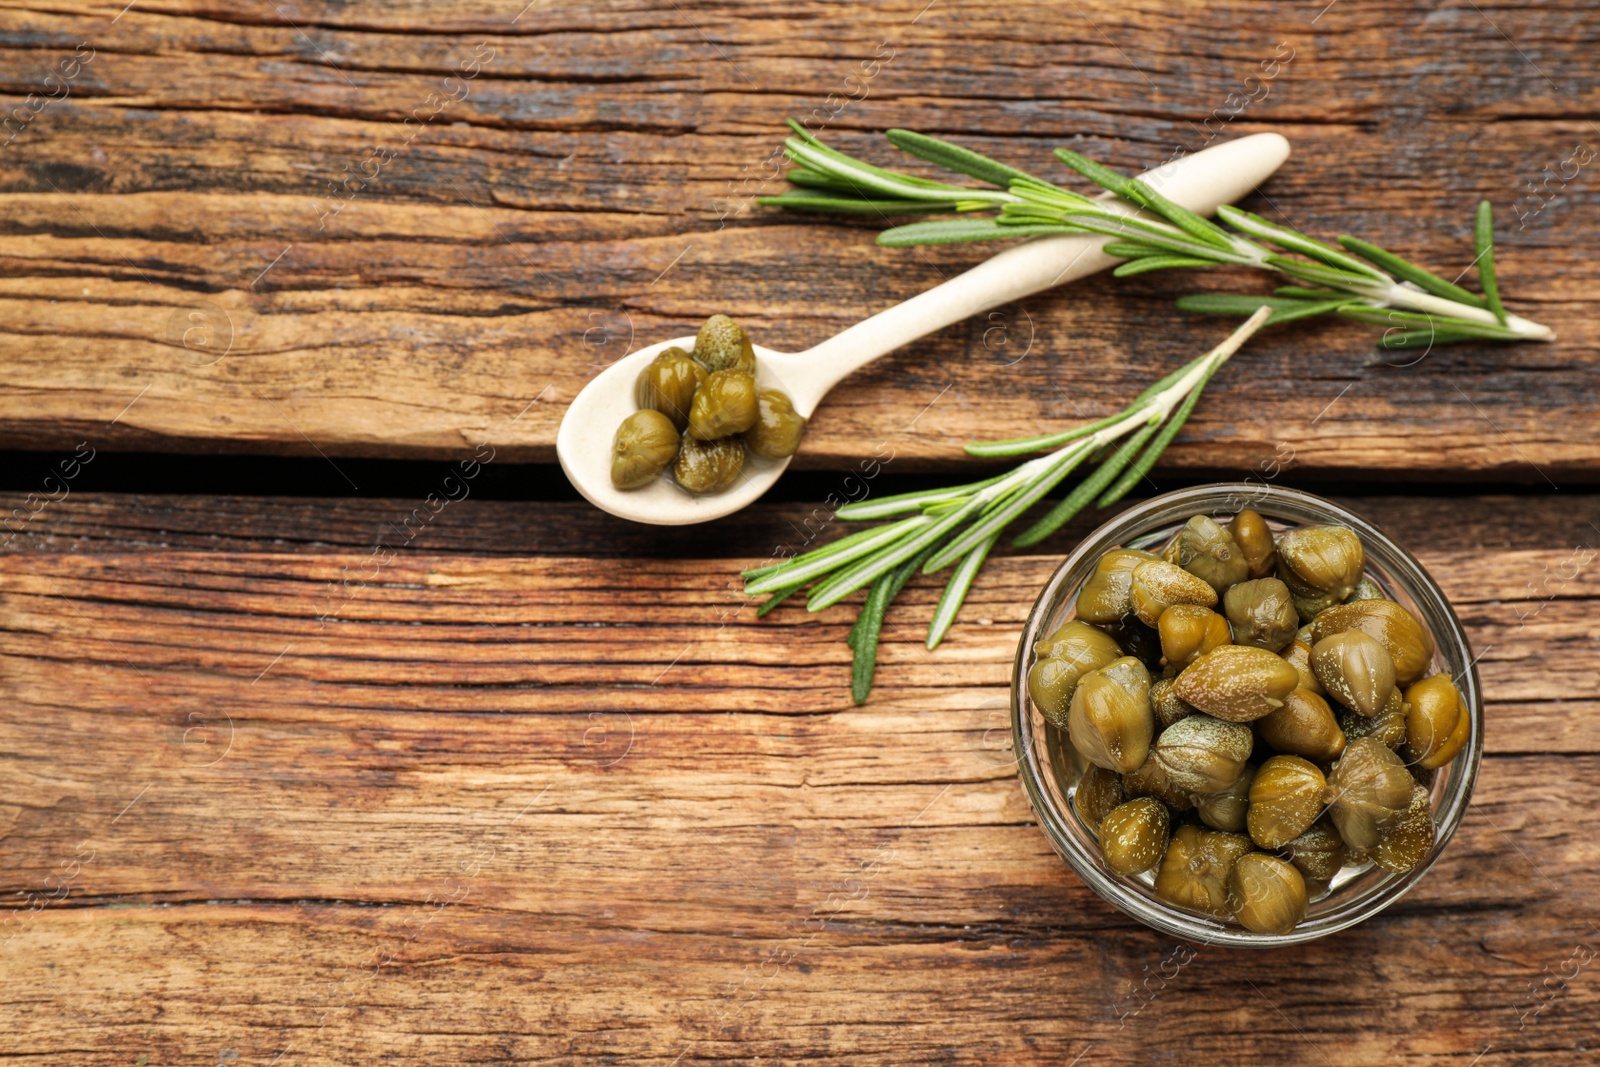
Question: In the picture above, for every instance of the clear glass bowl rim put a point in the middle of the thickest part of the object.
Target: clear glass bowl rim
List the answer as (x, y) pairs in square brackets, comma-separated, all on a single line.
[(1287, 505)]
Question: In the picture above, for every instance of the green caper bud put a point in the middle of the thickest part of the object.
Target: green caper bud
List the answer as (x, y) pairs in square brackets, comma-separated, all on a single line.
[(1133, 836), (1285, 799), (1097, 792), (1170, 550), (1304, 726), (1321, 564), (709, 466), (1366, 589), (1226, 809), (1409, 840), (1110, 720), (1388, 726), (1437, 722), (1194, 873), (1150, 780), (1254, 538), (1105, 596), (777, 429), (1065, 657), (1319, 852), (1355, 670), (643, 446), (1157, 585), (723, 406), (1202, 755), (1237, 683), (1262, 614), (1267, 895), (667, 385), (1208, 552), (1168, 706), (1368, 792), (1407, 641), (723, 345), (1298, 656), (1188, 631)]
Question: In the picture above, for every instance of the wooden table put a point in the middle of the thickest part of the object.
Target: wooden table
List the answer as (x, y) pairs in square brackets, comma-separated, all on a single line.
[(540, 788)]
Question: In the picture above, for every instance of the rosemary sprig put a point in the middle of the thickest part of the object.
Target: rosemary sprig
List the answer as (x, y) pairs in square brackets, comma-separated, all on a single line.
[(1358, 280), (959, 525)]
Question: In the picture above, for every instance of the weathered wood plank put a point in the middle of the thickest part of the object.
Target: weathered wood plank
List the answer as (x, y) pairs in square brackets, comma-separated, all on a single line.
[(592, 191), (489, 813)]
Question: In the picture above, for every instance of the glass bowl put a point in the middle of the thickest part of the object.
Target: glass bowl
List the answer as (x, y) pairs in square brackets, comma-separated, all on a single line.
[(1050, 768)]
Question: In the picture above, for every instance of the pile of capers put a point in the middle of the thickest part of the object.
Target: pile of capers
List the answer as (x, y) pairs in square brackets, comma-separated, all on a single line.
[(700, 412), (1246, 756)]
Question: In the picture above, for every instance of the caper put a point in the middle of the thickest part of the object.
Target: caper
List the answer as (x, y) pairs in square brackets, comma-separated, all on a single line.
[(1320, 564), (1237, 683), (777, 429), (1202, 755), (1406, 640), (1319, 852), (1437, 723), (1285, 799), (1226, 809), (1110, 720), (1097, 792), (1105, 596), (1368, 792), (709, 466), (723, 406), (1304, 726), (1168, 706), (667, 385), (1189, 630), (1388, 726), (723, 345), (1298, 656), (1254, 538), (1133, 836), (1150, 780), (1194, 872), (1366, 589), (1267, 895), (1262, 614), (1157, 585), (1403, 847), (1208, 552), (645, 443), (1355, 670), (1065, 657)]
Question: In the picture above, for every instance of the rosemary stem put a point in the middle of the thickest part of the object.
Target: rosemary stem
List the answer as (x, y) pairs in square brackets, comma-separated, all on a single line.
[(1417, 300)]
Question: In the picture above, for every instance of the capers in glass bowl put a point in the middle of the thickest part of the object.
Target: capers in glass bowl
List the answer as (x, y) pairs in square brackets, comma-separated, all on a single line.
[(713, 400), (1311, 765)]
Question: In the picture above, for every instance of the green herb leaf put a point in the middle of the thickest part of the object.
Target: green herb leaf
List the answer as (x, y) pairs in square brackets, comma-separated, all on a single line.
[(855, 205), (958, 231), (1483, 237), (1284, 309), (1150, 263), (1085, 491), (1404, 269), (955, 592), (954, 157), (1257, 226)]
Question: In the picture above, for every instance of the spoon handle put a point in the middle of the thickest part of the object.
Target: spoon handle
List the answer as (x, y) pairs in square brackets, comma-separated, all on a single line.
[(1200, 182)]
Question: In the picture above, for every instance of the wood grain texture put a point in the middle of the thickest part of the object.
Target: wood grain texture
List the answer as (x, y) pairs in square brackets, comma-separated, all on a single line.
[(591, 190), (500, 803)]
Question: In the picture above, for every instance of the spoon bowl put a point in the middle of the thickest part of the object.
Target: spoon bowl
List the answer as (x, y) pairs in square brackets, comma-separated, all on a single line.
[(1201, 182)]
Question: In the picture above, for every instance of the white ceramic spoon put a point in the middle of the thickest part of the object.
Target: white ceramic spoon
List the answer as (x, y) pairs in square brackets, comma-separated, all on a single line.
[(1201, 182)]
